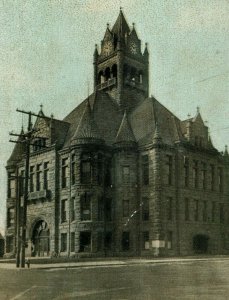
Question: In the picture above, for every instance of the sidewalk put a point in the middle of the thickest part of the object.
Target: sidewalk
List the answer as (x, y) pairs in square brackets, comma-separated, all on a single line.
[(112, 262)]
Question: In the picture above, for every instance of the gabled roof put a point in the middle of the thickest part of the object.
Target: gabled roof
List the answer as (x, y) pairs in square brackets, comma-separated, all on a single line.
[(121, 26), (125, 133), (18, 151)]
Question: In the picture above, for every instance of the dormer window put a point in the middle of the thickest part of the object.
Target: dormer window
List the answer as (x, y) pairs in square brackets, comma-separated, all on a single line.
[(39, 144)]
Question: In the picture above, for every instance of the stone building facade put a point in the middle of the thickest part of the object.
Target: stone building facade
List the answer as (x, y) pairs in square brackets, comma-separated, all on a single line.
[(121, 174)]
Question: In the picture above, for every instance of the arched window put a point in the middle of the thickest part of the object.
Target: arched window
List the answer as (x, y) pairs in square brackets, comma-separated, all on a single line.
[(133, 74), (114, 71), (140, 77), (86, 168), (101, 78), (107, 73)]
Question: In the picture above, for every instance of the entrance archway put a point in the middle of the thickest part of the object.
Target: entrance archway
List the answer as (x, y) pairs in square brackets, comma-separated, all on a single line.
[(40, 239), (200, 243)]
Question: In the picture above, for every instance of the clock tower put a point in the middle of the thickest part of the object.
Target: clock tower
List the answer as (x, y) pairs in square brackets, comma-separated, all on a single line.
[(121, 69)]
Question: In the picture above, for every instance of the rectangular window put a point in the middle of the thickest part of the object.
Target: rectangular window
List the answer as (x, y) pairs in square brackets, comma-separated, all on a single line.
[(100, 209), (10, 217), (11, 186), (196, 210), (205, 213), (203, 176), (46, 176), (125, 241), (108, 241), (145, 240), (38, 177), (126, 174), (145, 169), (145, 209), (213, 211), (221, 213), (220, 179), (72, 209), (108, 179), (186, 172), (73, 169), (100, 169), (170, 240), (212, 177), (169, 165), (64, 173), (85, 207), (9, 244), (125, 208), (195, 174), (186, 212), (86, 168), (63, 211), (169, 209), (72, 241), (31, 177), (85, 241), (63, 240), (108, 209), (22, 183)]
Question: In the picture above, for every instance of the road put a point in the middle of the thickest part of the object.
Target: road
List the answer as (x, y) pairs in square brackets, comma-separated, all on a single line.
[(207, 279)]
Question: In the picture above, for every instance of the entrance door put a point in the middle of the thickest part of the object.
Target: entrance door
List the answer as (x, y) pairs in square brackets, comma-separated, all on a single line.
[(41, 239), (200, 243)]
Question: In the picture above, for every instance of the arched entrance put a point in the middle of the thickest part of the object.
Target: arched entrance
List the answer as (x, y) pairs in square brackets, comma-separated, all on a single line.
[(40, 239), (200, 243)]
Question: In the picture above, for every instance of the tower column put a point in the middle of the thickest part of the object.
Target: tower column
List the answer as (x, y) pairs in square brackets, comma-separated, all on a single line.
[(119, 73)]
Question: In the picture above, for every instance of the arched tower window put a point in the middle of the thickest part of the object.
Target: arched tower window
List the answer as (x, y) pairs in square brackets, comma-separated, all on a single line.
[(133, 74), (101, 78), (140, 76), (114, 71), (107, 73)]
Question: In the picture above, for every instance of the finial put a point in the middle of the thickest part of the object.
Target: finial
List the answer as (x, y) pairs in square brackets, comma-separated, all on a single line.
[(52, 116), (226, 150), (120, 8), (198, 109), (133, 24), (108, 25), (41, 106)]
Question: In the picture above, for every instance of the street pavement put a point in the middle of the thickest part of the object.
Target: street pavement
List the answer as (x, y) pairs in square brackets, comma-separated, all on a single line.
[(175, 278)]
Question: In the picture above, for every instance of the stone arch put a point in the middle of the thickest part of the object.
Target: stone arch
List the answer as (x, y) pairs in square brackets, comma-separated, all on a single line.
[(107, 73), (101, 78), (40, 237)]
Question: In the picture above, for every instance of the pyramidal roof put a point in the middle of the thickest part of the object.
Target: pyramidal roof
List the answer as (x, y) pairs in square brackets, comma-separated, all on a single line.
[(125, 133), (87, 128), (18, 151), (121, 26)]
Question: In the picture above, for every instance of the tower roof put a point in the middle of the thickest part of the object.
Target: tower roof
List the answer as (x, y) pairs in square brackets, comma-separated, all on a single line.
[(121, 26), (87, 128), (125, 133)]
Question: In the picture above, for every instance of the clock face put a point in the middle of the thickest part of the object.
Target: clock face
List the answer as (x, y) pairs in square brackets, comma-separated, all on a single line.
[(133, 48), (107, 48)]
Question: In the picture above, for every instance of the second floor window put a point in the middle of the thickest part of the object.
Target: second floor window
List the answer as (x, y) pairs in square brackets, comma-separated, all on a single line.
[(86, 169), (63, 211), (145, 169), (64, 172), (72, 209), (10, 217), (169, 166), (31, 179), (186, 210), (196, 210), (11, 186), (38, 177), (169, 209), (85, 207), (220, 179), (125, 208), (46, 175), (73, 169), (203, 176), (186, 172), (145, 209), (212, 177), (195, 174)]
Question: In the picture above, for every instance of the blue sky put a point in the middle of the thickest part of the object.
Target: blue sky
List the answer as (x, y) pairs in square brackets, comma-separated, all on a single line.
[(46, 52)]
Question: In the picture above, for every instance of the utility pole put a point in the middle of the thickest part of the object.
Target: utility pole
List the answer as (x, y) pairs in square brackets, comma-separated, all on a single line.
[(28, 137)]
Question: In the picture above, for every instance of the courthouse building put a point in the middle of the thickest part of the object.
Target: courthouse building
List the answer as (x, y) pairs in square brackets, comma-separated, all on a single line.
[(121, 174)]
